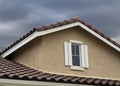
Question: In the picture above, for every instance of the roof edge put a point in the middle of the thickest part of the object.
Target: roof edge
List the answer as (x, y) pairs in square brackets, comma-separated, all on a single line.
[(25, 73), (75, 21)]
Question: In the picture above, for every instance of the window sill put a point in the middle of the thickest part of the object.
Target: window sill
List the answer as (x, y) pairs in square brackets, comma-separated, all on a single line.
[(77, 68)]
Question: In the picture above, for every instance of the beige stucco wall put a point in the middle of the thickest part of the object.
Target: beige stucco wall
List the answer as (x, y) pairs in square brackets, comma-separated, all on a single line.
[(46, 53)]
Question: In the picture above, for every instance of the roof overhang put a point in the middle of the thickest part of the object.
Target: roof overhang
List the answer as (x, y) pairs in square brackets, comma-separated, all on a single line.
[(45, 32)]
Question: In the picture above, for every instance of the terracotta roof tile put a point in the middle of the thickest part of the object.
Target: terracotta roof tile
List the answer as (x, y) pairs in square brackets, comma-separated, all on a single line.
[(14, 70), (58, 24), (75, 79)]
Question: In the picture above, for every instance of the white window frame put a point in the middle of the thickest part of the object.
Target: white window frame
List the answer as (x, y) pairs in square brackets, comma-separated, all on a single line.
[(83, 58)]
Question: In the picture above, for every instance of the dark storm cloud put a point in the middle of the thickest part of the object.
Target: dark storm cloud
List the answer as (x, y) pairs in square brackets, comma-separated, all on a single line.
[(102, 14), (70, 4), (19, 16), (13, 10), (105, 24)]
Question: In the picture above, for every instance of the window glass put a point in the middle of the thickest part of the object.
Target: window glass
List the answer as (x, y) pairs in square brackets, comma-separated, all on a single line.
[(75, 55), (76, 60)]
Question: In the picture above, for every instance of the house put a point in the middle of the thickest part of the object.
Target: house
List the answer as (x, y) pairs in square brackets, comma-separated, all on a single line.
[(67, 53)]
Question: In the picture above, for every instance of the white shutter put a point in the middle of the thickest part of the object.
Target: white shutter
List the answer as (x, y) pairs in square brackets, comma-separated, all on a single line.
[(82, 56), (86, 57), (70, 53), (66, 53)]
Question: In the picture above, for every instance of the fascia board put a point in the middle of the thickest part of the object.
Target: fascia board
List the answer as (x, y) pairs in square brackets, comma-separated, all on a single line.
[(20, 44)]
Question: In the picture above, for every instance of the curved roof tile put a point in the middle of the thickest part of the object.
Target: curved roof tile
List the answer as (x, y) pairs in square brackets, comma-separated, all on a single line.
[(14, 70)]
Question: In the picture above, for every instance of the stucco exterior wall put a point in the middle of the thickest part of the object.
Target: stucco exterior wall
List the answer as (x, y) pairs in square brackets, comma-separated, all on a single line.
[(46, 53)]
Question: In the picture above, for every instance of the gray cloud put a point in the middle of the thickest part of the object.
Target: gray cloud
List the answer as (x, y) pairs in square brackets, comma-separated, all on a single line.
[(19, 16), (13, 10)]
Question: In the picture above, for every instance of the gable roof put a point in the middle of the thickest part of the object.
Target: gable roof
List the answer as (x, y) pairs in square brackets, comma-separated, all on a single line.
[(13, 70), (46, 29)]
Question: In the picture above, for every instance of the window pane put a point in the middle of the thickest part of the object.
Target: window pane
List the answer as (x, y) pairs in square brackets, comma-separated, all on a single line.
[(77, 50), (76, 60), (75, 55), (73, 49)]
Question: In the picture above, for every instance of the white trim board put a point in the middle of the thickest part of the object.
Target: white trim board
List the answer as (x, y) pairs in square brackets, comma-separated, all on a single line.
[(20, 44), (41, 33), (12, 82)]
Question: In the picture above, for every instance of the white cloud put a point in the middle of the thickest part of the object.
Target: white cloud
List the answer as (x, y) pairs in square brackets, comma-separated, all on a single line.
[(7, 26)]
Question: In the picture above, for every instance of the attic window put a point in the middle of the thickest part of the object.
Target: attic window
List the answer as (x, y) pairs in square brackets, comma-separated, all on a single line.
[(76, 55)]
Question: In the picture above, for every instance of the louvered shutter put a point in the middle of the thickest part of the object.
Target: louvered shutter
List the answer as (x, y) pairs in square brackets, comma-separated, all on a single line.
[(84, 56), (70, 53), (66, 48)]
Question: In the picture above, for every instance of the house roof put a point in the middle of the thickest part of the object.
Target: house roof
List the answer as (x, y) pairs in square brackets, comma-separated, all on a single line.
[(13, 70), (58, 24)]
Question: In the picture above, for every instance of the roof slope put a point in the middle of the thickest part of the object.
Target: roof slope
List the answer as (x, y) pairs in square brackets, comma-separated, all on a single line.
[(58, 24), (14, 70)]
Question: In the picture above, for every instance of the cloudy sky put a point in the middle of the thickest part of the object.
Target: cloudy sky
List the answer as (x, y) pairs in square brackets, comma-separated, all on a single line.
[(19, 16)]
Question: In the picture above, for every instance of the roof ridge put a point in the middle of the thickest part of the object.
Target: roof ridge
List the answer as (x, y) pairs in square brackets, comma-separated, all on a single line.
[(57, 24)]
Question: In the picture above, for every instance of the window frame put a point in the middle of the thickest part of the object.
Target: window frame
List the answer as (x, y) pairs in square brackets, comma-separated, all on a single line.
[(83, 55), (73, 67)]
